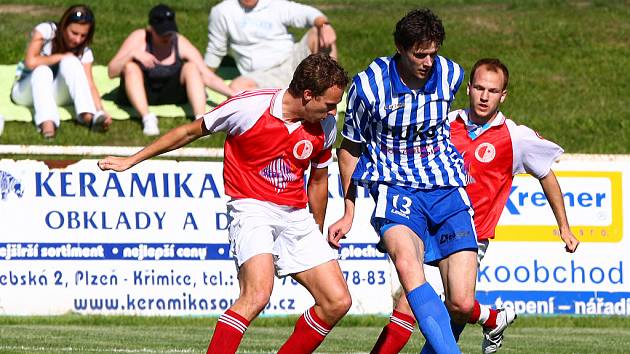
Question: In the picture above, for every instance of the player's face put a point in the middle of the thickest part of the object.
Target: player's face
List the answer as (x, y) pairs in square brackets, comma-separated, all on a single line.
[(418, 60), (319, 107), (76, 33), (486, 93)]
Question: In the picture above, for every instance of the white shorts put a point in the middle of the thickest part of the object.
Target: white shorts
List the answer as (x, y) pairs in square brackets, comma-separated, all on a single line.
[(289, 234), (280, 76)]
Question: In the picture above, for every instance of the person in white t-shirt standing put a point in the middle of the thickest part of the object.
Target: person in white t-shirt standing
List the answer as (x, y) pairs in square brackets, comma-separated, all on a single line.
[(255, 33), (57, 70)]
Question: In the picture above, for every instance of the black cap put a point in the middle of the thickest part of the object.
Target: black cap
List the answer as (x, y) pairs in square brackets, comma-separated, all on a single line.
[(162, 19)]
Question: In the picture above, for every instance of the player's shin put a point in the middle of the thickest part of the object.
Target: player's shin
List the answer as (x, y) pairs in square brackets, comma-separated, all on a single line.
[(395, 334), (228, 333), (433, 319), (309, 332)]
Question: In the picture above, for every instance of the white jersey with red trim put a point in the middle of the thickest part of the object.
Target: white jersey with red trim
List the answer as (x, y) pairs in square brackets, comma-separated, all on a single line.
[(492, 158), (265, 157)]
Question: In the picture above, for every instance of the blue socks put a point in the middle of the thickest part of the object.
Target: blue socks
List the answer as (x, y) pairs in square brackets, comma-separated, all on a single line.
[(433, 320)]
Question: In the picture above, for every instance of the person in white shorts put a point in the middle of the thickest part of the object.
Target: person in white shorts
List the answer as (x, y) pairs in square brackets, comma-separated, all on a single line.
[(273, 137), (57, 70), (255, 33)]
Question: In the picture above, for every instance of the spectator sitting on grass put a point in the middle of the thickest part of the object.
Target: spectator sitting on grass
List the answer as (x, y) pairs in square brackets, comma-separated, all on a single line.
[(57, 70), (255, 32), (157, 65)]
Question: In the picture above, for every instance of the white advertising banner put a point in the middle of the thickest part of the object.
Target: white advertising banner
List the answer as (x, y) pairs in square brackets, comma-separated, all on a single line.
[(153, 241)]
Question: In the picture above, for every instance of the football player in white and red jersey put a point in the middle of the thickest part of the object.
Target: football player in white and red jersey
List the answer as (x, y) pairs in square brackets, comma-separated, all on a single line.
[(494, 149), (273, 137)]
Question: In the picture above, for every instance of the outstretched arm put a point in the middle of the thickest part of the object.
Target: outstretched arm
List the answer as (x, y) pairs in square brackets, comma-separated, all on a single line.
[(173, 139), (552, 191), (348, 156)]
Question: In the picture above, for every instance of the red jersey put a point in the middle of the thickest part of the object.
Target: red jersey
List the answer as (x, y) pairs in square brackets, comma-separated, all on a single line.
[(265, 157), (493, 154)]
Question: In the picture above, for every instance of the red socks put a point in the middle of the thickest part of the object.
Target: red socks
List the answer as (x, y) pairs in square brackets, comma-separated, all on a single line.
[(484, 315), (308, 334), (395, 335), (228, 333)]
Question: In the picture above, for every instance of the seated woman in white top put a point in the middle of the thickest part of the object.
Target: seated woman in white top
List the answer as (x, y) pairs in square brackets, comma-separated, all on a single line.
[(57, 70)]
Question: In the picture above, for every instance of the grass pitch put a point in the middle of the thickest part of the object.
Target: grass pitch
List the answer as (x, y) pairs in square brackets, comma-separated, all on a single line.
[(355, 334)]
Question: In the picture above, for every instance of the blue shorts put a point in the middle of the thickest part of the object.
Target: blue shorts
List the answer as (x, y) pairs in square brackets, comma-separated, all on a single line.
[(441, 217)]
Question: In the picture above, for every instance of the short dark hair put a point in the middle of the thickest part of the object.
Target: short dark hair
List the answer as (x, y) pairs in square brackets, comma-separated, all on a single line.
[(492, 64), (419, 26), (318, 72)]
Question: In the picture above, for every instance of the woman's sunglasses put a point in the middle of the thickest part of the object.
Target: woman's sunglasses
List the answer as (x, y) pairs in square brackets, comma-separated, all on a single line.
[(81, 16)]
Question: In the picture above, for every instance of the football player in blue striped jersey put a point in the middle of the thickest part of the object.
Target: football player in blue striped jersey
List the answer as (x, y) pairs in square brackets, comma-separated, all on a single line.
[(397, 144)]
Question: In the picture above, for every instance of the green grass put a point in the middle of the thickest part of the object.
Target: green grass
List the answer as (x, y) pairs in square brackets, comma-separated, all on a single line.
[(567, 59), (99, 334)]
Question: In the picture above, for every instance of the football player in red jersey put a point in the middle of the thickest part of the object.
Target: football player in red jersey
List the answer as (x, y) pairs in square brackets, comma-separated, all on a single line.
[(273, 137), (494, 150)]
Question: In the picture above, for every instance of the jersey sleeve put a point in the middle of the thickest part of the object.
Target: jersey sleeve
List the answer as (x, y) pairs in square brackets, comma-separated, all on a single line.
[(458, 78), (236, 115), (324, 158), (532, 153), (356, 114)]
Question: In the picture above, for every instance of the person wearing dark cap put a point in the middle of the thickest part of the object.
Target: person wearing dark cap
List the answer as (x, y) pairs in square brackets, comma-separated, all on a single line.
[(158, 65)]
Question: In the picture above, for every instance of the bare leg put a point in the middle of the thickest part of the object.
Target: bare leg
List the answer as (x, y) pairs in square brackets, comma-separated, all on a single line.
[(332, 300), (134, 87), (459, 272), (329, 289), (195, 89), (255, 279)]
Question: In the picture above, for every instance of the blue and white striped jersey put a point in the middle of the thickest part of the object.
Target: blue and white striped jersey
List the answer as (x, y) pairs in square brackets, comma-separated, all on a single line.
[(405, 133)]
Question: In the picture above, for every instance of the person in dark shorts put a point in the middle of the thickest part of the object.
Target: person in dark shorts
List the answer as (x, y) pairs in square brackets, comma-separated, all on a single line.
[(158, 65)]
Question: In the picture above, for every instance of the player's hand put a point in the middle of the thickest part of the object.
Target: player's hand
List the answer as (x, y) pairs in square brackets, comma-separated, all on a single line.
[(338, 231), (570, 241), (114, 163)]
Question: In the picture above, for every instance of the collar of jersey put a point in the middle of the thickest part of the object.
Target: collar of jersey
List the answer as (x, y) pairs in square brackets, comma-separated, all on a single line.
[(275, 110), (400, 88), (474, 134)]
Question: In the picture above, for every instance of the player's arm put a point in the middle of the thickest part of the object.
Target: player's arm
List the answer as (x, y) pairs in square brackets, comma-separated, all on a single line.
[(317, 191), (552, 191), (172, 140), (348, 156)]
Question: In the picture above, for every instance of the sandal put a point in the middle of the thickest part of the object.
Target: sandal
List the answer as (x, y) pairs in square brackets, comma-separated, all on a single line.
[(97, 124)]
